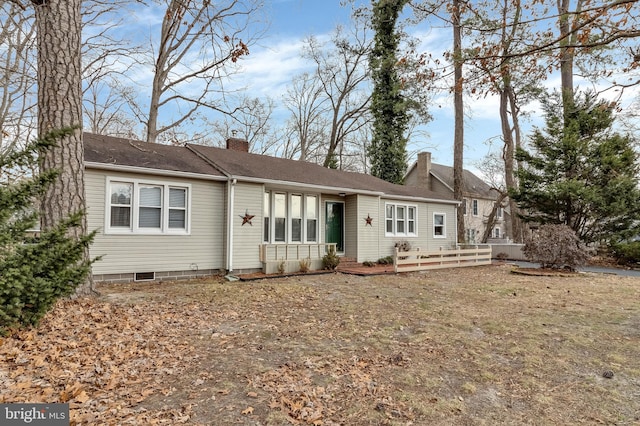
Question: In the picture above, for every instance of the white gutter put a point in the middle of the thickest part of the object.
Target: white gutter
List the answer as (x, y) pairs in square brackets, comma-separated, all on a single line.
[(307, 185), (330, 189), (148, 171), (231, 192)]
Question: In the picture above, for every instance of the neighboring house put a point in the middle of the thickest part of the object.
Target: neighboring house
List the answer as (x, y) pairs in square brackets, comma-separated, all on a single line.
[(479, 197), (182, 211)]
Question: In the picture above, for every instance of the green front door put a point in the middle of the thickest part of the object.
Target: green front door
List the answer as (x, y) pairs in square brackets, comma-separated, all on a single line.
[(334, 224)]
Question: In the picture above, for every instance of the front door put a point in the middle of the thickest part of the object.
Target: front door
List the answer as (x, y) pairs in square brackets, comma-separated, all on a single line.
[(334, 224)]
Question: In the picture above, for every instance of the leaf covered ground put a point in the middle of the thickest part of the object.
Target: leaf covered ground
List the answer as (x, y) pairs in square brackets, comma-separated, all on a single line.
[(475, 346)]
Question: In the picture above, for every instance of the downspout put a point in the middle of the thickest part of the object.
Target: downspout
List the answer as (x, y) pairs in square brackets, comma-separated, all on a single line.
[(231, 191)]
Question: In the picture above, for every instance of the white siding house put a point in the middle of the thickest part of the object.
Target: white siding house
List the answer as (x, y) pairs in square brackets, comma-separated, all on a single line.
[(168, 212)]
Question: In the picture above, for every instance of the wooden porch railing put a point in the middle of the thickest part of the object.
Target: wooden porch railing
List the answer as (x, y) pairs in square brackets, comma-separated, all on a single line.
[(417, 260), (279, 252)]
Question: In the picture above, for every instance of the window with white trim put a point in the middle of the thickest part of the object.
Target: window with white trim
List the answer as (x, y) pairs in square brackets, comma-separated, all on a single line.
[(295, 217), (499, 212), (474, 207), (400, 220), (496, 233), (135, 206), (471, 235), (439, 221), (280, 217), (311, 213), (267, 214)]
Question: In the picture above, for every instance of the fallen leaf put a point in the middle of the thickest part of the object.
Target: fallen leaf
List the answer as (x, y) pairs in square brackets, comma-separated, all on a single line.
[(248, 410)]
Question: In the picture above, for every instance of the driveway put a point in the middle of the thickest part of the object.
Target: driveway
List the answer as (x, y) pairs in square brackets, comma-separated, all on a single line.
[(594, 269)]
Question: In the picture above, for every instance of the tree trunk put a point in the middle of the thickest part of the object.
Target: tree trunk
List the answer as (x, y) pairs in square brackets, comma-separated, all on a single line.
[(567, 53), (60, 105), (458, 138)]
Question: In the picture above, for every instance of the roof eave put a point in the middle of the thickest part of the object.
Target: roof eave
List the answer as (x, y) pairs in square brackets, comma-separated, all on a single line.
[(150, 171)]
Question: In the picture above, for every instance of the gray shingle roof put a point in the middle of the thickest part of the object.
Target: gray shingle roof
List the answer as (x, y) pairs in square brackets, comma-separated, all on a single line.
[(472, 183), (219, 162), (247, 165), (128, 152)]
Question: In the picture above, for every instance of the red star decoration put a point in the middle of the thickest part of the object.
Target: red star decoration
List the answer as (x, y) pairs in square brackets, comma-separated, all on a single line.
[(369, 220), (247, 218)]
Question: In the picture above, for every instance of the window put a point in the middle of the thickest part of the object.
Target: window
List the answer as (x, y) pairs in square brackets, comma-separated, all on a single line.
[(311, 212), (142, 207), (471, 236), (411, 220), (439, 225), (120, 205), (150, 207), (389, 215), (496, 233), (267, 214), (499, 212), (474, 207), (280, 215), (400, 220), (295, 218), (177, 208)]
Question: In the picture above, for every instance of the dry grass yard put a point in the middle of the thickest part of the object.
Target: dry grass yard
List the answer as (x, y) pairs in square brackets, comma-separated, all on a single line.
[(474, 346)]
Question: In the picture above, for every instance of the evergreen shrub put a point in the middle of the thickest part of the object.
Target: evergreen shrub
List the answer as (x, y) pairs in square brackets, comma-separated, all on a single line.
[(35, 270)]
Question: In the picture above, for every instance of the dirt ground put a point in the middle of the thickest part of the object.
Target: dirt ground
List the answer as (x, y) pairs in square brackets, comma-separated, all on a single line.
[(472, 346)]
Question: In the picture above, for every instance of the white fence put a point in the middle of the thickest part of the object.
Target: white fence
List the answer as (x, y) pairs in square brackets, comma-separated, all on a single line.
[(417, 260)]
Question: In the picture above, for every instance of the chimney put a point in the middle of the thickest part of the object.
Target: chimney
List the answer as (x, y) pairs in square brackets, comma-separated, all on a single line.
[(237, 144), (424, 170)]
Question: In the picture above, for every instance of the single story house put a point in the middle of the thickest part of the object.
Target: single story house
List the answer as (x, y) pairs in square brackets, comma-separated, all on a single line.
[(167, 212), (480, 199)]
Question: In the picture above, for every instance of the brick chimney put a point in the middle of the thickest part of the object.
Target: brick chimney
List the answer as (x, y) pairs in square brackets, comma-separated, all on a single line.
[(237, 144), (423, 166)]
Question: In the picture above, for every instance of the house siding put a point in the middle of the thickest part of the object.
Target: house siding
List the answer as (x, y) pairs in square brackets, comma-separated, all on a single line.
[(167, 255), (368, 235), (424, 238), (450, 240), (351, 226), (479, 222), (249, 198)]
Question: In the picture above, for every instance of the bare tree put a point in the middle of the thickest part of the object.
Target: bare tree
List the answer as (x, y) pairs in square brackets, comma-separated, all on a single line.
[(106, 59), (308, 108), (105, 110), (343, 77), (17, 76), (251, 121), (198, 47), (458, 103)]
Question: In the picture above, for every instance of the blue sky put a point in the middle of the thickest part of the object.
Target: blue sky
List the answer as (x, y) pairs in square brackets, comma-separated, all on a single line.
[(292, 20), (272, 64)]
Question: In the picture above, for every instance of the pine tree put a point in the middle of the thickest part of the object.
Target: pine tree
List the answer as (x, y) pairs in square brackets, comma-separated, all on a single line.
[(36, 271), (389, 107), (581, 172)]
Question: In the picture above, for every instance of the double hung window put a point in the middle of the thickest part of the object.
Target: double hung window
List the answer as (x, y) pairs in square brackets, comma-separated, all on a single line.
[(439, 222), (142, 207), (295, 218), (400, 220)]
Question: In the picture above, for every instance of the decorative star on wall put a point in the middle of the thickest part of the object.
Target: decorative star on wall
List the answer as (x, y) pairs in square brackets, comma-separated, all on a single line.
[(247, 218), (369, 220)]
